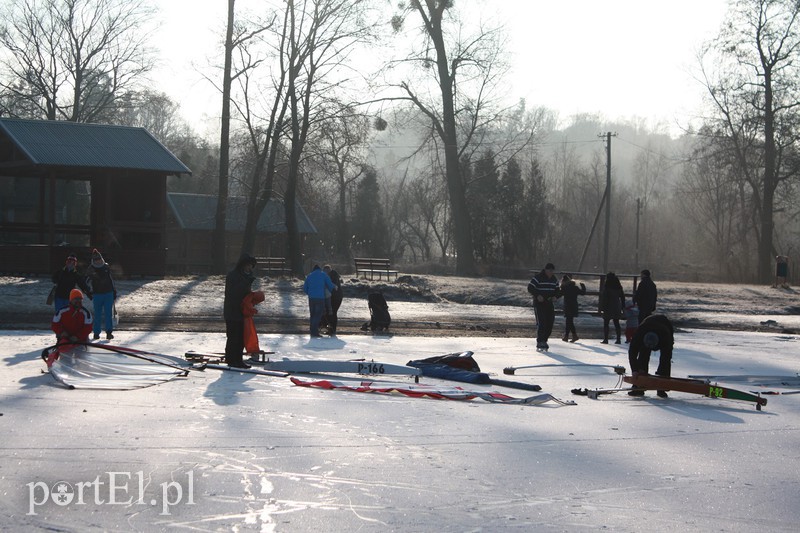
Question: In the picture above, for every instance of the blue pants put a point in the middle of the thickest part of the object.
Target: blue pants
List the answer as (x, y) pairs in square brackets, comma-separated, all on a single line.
[(103, 307), (316, 306)]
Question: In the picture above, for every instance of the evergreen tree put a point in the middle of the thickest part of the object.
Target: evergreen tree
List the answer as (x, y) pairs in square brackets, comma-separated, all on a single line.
[(483, 208), (536, 210), (371, 232), (510, 208)]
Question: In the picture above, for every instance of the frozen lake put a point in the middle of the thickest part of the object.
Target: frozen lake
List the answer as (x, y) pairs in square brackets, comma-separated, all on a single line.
[(240, 452)]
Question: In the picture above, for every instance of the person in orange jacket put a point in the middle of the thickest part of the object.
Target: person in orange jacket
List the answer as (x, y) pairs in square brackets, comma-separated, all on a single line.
[(248, 311)]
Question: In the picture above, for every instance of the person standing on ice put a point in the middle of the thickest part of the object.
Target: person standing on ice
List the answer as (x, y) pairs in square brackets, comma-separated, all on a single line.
[(646, 295), (238, 285), (104, 294), (612, 305), (331, 318), (570, 290), (315, 285), (781, 271), (545, 290), (655, 333), (65, 279)]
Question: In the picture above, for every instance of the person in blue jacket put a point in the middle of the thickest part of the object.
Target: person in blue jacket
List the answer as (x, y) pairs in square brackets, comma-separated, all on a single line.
[(316, 283)]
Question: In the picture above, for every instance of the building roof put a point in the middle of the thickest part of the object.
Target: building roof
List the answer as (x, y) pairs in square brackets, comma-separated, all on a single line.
[(198, 211), (58, 143)]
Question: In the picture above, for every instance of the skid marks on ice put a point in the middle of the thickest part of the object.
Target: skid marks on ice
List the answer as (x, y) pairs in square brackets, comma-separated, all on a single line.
[(258, 504)]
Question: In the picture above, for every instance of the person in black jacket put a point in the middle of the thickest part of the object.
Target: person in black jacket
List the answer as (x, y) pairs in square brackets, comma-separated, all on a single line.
[(238, 284), (65, 279), (570, 291), (331, 318), (646, 295), (104, 294), (654, 334), (612, 305), (544, 289)]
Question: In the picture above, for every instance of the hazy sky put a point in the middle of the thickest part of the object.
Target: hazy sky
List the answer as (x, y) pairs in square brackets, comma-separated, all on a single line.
[(620, 58)]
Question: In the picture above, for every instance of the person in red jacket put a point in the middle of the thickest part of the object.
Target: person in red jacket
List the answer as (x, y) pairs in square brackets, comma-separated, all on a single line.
[(74, 322)]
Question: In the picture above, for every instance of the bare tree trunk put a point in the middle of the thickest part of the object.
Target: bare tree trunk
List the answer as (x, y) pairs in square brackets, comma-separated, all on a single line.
[(218, 239), (256, 201), (342, 231), (770, 183), (465, 261), (293, 246), (299, 124)]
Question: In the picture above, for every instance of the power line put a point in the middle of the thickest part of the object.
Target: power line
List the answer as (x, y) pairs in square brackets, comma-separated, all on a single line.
[(493, 143), (651, 151)]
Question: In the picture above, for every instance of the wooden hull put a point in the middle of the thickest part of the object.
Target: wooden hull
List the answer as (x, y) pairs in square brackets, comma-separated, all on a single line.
[(693, 386)]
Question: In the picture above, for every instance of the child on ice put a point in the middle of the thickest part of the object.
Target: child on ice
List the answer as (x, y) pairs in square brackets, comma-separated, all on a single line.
[(570, 290)]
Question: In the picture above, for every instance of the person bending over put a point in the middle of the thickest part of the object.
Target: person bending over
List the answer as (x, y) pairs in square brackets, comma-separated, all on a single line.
[(655, 333)]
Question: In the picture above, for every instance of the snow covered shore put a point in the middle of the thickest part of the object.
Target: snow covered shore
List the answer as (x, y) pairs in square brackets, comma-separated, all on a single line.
[(238, 452), (495, 303)]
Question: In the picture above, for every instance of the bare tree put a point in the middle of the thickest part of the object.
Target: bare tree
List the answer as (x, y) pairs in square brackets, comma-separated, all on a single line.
[(751, 72), (465, 70), (711, 191), (321, 34), (430, 199), (238, 37), (261, 106), (73, 59), (153, 110), (218, 247), (340, 146)]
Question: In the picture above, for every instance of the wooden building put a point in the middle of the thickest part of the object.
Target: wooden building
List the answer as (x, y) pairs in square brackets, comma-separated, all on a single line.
[(70, 187), (191, 222)]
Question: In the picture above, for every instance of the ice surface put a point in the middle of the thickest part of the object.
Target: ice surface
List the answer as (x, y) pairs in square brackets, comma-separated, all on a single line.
[(260, 454)]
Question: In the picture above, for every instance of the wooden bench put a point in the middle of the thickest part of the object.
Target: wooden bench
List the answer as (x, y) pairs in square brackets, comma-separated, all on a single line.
[(372, 266), (273, 265)]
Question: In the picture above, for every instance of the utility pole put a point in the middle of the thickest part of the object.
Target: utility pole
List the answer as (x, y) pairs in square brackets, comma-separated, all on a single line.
[(638, 211), (608, 136)]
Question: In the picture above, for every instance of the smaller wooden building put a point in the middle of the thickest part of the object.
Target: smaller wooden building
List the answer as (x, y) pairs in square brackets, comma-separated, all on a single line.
[(68, 187), (191, 222)]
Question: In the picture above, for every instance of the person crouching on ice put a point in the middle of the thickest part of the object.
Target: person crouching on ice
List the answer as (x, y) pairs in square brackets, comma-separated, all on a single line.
[(71, 324), (655, 333)]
